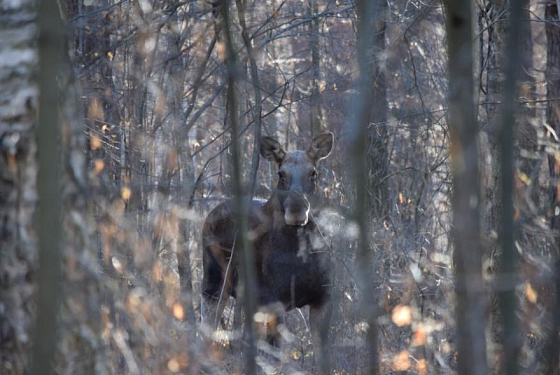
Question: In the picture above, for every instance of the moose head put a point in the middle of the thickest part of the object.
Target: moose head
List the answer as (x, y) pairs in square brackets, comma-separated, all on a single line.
[(297, 174)]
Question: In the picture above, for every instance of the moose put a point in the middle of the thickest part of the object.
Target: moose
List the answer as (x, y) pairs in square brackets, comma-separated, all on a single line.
[(292, 261)]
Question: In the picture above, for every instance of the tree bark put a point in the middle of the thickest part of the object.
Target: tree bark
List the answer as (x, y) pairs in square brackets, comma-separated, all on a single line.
[(49, 191), (527, 131), (376, 153), (367, 25), (18, 191), (508, 262), (553, 119), (257, 114), (497, 28), (18, 199), (247, 262), (317, 126), (471, 342)]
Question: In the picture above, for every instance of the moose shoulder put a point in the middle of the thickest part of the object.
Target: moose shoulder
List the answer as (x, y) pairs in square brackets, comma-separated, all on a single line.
[(293, 267)]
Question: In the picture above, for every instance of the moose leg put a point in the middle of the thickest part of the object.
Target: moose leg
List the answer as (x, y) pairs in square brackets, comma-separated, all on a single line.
[(217, 283), (213, 306), (269, 321), (269, 326), (209, 312), (319, 321)]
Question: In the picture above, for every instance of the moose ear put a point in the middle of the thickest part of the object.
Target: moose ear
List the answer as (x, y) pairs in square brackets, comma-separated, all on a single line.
[(321, 146), (271, 149)]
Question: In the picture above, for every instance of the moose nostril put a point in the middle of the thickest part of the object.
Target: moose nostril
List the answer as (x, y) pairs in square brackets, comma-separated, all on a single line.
[(296, 215)]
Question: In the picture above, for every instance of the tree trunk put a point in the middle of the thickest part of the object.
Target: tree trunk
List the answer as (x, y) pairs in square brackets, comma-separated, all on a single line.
[(376, 153), (553, 119), (257, 114), (470, 309), (361, 113), (553, 109), (18, 198), (81, 309), (18, 193), (496, 26), (509, 255), (527, 131), (49, 189), (317, 126), (248, 284)]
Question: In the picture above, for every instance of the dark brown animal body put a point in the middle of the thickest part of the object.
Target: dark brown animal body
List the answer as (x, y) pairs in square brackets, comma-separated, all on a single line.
[(290, 269), (293, 264)]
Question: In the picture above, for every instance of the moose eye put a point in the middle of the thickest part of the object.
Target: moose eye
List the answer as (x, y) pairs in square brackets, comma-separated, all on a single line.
[(281, 176), (313, 174)]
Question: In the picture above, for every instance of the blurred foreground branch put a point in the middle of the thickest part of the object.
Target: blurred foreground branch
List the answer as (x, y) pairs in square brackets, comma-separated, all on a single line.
[(359, 124), (247, 263), (470, 309), (509, 253), (49, 190)]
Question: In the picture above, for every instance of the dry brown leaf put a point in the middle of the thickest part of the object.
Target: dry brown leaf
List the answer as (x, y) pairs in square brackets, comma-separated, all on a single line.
[(157, 272), (173, 365), (126, 193), (530, 293), (295, 355), (221, 48), (401, 362), (98, 166), (419, 337), (402, 315), (95, 111), (422, 367), (95, 142), (178, 311)]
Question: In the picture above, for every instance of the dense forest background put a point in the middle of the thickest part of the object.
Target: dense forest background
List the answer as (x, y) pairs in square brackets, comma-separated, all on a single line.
[(115, 143)]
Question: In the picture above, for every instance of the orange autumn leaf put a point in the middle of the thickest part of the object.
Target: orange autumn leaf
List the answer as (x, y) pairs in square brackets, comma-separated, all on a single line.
[(173, 365), (221, 49), (95, 142), (530, 293), (95, 110), (419, 337), (98, 166), (126, 193), (401, 362), (402, 315), (422, 367), (178, 311)]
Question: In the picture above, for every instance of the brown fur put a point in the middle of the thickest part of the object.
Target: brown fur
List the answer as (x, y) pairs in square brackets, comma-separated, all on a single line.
[(293, 266)]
